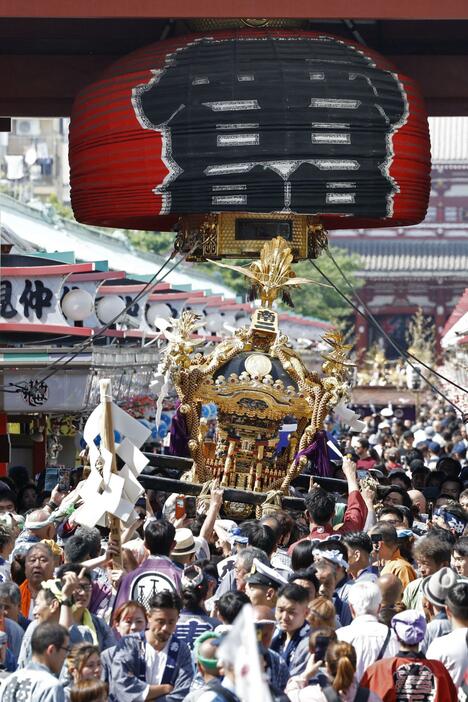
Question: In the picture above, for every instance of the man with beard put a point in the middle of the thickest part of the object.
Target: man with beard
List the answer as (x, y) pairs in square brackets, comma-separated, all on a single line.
[(153, 664)]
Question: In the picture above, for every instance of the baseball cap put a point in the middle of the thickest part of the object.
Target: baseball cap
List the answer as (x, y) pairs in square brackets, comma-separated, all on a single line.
[(459, 448), (409, 626), (433, 446)]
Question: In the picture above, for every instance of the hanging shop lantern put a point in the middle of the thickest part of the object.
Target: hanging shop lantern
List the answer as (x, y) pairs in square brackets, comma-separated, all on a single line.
[(240, 136), (109, 307), (157, 311), (214, 322), (77, 304)]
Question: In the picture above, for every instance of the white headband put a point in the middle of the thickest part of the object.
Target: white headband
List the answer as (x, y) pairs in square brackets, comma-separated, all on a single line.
[(333, 555)]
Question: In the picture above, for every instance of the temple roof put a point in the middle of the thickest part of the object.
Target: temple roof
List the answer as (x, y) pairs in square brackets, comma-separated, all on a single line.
[(9, 239), (398, 257), (449, 140)]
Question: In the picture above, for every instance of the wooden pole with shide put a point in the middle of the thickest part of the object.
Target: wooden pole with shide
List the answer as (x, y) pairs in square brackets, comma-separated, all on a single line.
[(107, 439)]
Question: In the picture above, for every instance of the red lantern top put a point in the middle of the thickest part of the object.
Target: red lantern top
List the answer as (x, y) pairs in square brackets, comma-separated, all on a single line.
[(250, 121)]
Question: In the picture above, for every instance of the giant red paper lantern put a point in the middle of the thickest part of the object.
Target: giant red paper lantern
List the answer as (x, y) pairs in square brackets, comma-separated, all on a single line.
[(251, 121)]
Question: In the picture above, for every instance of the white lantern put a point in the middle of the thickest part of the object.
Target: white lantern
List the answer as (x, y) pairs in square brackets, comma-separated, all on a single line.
[(214, 322), (155, 310), (109, 307), (77, 305)]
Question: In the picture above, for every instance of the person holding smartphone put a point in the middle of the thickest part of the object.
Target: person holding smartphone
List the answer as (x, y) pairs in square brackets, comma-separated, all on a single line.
[(314, 673), (338, 678)]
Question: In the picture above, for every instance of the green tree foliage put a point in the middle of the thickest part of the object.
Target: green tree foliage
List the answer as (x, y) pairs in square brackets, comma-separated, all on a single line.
[(152, 242), (61, 209), (309, 300), (326, 303)]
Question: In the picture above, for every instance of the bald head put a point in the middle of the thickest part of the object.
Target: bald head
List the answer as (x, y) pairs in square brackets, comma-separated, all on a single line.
[(262, 613), (37, 516), (418, 499), (36, 523), (391, 589), (207, 651)]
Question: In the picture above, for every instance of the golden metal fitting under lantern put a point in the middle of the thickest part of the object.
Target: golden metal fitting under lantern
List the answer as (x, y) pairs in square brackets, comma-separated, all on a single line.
[(243, 235)]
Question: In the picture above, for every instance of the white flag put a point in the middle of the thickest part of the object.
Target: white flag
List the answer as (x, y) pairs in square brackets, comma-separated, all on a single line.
[(349, 417), (239, 650)]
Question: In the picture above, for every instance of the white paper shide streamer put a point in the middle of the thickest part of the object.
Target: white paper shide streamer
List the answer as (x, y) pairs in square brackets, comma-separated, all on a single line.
[(349, 417), (106, 492)]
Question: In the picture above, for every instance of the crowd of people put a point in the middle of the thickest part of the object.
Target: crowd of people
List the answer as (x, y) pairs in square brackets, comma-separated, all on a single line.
[(361, 597)]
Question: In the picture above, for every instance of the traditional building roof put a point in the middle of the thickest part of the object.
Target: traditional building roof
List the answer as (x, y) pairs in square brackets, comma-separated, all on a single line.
[(10, 242), (449, 140), (90, 243), (399, 257)]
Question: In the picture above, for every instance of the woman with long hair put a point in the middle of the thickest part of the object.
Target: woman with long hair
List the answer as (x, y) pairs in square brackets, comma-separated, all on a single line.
[(340, 672), (89, 691), (84, 663)]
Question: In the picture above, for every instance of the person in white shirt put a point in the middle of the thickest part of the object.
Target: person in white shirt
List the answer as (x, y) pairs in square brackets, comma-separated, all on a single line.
[(152, 664), (452, 649), (371, 639)]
